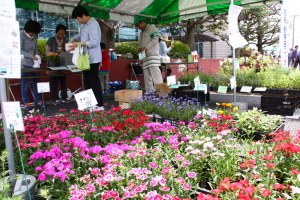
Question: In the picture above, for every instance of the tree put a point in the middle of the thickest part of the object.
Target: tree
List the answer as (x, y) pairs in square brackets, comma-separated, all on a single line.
[(108, 30), (186, 29), (260, 26)]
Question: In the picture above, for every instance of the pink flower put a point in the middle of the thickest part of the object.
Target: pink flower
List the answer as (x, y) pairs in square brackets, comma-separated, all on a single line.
[(265, 193), (270, 165), (164, 188), (94, 171), (192, 174), (166, 161), (153, 165)]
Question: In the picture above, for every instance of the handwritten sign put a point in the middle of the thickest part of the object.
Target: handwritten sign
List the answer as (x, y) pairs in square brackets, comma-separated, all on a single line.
[(171, 80), (13, 115), (246, 89), (85, 99), (43, 87), (222, 89), (233, 82), (196, 82), (260, 89)]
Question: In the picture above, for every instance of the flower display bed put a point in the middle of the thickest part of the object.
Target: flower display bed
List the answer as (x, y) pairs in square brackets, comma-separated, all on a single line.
[(200, 96), (120, 154)]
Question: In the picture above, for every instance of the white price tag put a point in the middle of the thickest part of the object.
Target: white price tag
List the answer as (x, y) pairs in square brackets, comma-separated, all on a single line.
[(246, 89), (171, 80), (43, 87), (233, 82), (197, 82), (13, 115), (85, 99)]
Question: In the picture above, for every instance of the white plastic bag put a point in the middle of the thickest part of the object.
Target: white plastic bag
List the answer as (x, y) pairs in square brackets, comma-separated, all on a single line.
[(36, 63), (165, 59), (76, 55), (142, 55), (181, 67)]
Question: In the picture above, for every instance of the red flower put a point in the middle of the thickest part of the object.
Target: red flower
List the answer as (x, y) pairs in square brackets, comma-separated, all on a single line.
[(268, 157), (265, 193), (279, 186), (270, 165)]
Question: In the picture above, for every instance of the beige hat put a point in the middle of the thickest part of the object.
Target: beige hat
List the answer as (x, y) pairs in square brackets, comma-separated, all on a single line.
[(164, 38)]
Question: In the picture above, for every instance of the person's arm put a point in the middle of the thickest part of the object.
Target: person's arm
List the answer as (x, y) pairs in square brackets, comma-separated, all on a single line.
[(48, 48), (23, 52), (153, 37), (164, 49)]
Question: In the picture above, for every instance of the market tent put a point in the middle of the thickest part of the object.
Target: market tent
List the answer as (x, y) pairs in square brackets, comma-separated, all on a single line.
[(156, 11)]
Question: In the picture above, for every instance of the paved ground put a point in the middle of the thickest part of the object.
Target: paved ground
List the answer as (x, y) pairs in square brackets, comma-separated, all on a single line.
[(292, 122)]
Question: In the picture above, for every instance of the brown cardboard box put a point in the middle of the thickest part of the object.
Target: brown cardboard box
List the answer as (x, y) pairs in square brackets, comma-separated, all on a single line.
[(124, 105), (128, 95), (162, 89)]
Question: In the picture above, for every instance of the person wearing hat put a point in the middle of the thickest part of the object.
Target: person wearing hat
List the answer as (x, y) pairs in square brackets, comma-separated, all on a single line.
[(148, 43), (163, 52)]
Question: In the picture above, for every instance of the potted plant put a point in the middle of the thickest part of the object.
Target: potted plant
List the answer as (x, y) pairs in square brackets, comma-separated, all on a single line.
[(256, 124), (53, 59)]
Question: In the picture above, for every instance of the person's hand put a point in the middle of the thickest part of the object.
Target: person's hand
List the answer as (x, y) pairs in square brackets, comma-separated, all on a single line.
[(34, 58), (172, 46), (144, 49), (172, 43)]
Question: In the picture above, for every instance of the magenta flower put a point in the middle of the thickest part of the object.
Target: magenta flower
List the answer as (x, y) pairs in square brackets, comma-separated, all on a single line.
[(153, 165), (192, 174)]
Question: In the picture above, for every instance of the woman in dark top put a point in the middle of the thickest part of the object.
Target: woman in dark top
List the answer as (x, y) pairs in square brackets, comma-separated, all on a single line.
[(57, 45)]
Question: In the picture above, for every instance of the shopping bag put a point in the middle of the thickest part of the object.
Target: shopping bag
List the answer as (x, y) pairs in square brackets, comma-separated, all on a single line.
[(137, 67), (165, 59), (189, 58), (83, 59), (132, 85), (75, 56)]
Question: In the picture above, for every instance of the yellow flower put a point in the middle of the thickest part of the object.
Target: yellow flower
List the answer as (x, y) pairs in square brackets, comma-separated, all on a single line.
[(235, 108), (220, 111), (218, 104), (226, 104)]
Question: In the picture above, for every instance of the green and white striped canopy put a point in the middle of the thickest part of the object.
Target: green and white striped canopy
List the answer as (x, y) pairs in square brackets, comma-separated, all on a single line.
[(156, 11)]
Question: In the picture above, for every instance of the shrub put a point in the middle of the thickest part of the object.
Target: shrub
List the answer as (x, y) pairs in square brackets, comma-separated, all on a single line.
[(180, 49), (127, 47), (41, 47)]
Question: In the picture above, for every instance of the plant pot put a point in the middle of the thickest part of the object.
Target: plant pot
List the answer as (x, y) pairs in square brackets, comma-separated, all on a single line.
[(260, 135), (294, 92), (53, 64), (275, 91)]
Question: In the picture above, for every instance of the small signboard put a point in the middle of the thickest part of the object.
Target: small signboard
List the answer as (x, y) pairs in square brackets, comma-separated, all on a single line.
[(222, 89), (43, 87), (246, 89), (85, 99)]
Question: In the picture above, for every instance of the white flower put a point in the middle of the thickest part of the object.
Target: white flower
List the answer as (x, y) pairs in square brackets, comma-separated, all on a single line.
[(295, 190), (208, 145), (189, 148)]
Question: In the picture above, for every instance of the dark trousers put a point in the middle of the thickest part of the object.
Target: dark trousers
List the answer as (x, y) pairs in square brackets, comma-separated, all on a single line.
[(169, 71), (63, 87), (296, 62), (91, 80)]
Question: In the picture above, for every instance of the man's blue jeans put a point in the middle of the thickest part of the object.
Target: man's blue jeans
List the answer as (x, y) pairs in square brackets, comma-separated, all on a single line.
[(25, 85)]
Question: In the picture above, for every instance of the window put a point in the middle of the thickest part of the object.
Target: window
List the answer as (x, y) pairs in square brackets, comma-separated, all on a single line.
[(199, 49), (48, 21)]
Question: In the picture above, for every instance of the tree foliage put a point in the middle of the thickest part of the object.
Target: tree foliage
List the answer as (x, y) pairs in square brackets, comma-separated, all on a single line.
[(186, 29), (260, 26)]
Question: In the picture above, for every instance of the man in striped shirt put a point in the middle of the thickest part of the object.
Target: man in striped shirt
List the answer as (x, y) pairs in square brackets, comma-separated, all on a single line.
[(148, 43)]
